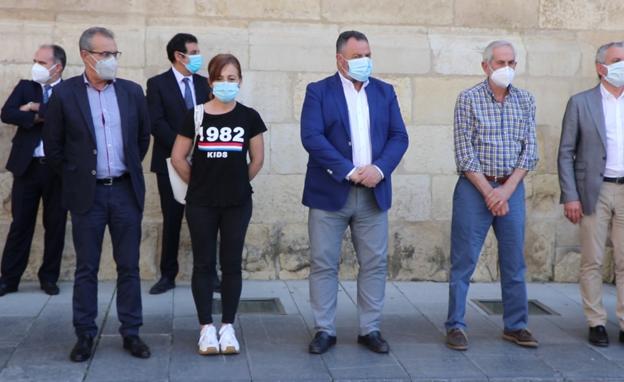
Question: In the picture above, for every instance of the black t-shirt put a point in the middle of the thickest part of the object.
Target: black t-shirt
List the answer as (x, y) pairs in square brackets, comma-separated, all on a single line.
[(219, 173)]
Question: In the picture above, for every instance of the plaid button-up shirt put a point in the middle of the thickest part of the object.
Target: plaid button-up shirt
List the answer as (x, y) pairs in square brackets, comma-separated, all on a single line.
[(494, 138)]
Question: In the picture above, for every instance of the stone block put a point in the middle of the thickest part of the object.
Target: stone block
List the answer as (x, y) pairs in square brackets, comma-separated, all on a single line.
[(6, 183), (293, 245), (548, 148), (419, 251), (277, 198), (442, 187), (262, 9), (495, 14), (430, 150), (281, 47), (553, 54), (287, 154), (403, 89), (539, 250), (212, 39), (397, 50), (265, 92), (542, 196), (406, 12), (551, 96), (566, 266), (487, 266), (21, 38), (567, 234), (301, 82), (581, 15), (259, 253), (434, 98), (589, 42), (460, 52), (411, 198)]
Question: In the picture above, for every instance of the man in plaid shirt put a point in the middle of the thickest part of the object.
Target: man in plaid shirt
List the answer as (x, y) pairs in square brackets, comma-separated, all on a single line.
[(495, 147)]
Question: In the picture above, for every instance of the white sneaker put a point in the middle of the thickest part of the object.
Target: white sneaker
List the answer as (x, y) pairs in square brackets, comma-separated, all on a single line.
[(208, 343), (227, 340)]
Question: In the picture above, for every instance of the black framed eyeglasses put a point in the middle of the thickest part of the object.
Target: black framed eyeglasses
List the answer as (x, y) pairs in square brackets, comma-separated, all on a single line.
[(105, 54)]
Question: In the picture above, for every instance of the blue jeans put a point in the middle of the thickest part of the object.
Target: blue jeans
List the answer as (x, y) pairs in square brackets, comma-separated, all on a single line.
[(470, 224)]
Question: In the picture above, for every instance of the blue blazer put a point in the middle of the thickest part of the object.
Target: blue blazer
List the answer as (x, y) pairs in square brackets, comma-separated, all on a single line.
[(28, 134), (326, 136), (167, 111), (69, 139)]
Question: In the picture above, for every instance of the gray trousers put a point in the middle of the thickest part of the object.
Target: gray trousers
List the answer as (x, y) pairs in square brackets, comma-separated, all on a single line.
[(369, 232)]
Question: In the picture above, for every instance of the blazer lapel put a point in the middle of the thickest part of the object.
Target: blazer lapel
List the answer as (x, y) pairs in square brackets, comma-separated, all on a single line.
[(341, 102), (200, 89), (172, 84), (122, 101), (595, 107), (83, 104), (372, 97)]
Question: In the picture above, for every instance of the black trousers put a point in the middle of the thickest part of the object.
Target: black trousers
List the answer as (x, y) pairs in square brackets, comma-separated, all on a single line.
[(231, 224), (38, 182), (172, 212)]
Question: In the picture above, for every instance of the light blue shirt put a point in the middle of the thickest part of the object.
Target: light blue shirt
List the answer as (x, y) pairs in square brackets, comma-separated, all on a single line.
[(111, 161)]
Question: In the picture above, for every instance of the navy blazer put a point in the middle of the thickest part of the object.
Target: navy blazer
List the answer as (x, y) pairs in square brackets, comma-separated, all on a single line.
[(167, 110), (326, 135), (28, 134), (69, 139)]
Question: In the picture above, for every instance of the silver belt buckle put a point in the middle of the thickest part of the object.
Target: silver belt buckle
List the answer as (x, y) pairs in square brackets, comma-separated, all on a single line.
[(108, 181)]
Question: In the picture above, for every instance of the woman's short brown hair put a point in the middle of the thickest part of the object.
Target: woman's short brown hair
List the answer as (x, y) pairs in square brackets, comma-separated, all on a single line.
[(220, 61)]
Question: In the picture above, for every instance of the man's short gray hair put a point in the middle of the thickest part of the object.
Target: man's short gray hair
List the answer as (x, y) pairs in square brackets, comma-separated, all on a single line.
[(488, 53), (85, 38), (601, 53)]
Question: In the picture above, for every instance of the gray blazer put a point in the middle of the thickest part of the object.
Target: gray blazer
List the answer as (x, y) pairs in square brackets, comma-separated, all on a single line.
[(583, 150)]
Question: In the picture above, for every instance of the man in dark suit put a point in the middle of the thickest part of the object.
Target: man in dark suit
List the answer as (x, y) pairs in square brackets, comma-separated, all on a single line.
[(32, 178), (169, 96), (352, 128), (96, 135), (591, 176)]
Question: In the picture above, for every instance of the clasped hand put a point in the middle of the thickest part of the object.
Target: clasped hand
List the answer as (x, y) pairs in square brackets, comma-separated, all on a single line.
[(497, 200), (367, 175)]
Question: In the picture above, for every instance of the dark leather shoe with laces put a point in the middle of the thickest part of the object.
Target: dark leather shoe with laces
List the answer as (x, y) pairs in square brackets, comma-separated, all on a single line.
[(163, 285), (522, 337), (82, 350), (136, 347), (49, 288), (4, 289), (321, 342), (598, 336), (456, 339), (374, 342)]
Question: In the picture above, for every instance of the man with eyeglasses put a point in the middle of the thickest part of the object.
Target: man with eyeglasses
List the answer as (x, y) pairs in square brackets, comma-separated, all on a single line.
[(170, 95), (495, 147), (32, 179), (96, 135)]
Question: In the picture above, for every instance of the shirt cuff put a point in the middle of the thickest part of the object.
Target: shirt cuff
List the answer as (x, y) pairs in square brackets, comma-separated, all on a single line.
[(349, 174), (380, 172)]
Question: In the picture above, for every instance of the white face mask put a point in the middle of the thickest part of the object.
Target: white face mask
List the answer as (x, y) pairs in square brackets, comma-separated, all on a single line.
[(502, 77), (106, 69), (615, 74), (40, 73)]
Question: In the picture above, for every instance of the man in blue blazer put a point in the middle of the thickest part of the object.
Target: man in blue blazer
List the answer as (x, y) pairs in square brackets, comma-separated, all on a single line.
[(352, 128), (170, 95), (32, 179), (96, 135)]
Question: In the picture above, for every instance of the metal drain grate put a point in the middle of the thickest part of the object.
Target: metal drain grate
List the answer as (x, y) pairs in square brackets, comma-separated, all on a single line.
[(253, 306), (495, 307)]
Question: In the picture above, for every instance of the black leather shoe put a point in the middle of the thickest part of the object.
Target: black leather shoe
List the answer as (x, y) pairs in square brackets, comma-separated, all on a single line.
[(375, 342), (321, 343), (4, 289), (163, 285), (598, 336), (49, 288), (136, 347), (82, 350)]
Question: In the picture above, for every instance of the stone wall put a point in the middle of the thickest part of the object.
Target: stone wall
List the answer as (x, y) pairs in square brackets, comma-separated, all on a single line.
[(428, 49)]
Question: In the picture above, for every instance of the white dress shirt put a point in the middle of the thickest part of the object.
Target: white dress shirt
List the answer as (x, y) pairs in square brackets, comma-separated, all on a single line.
[(179, 77), (613, 109), (359, 124), (39, 149)]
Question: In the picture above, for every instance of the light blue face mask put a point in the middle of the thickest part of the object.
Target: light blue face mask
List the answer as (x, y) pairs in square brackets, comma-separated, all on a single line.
[(615, 74), (195, 62), (225, 91), (360, 68)]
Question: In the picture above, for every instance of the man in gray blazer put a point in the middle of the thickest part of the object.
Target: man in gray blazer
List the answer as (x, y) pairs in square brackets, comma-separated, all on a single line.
[(591, 176)]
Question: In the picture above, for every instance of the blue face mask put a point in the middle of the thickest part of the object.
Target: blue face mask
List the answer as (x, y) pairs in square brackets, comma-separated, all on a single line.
[(225, 91), (360, 68), (195, 62)]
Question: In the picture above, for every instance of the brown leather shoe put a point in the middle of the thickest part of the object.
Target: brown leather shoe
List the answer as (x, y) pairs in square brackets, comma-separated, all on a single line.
[(456, 339), (522, 337)]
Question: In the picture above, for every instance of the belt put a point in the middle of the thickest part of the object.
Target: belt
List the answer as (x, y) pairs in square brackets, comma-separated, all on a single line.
[(614, 180), (40, 160), (497, 179), (112, 180)]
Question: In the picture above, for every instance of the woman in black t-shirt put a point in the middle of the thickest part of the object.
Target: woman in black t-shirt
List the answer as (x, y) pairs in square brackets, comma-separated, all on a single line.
[(219, 196)]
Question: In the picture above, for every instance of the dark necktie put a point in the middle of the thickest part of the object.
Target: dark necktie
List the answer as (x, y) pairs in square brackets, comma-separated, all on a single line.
[(188, 96), (46, 93)]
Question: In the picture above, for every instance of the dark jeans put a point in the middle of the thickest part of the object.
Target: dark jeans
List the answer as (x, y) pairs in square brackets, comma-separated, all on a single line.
[(231, 223), (39, 182)]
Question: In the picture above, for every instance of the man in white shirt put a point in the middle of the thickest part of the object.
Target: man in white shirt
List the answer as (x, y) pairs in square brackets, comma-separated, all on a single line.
[(352, 129), (33, 179), (591, 176)]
